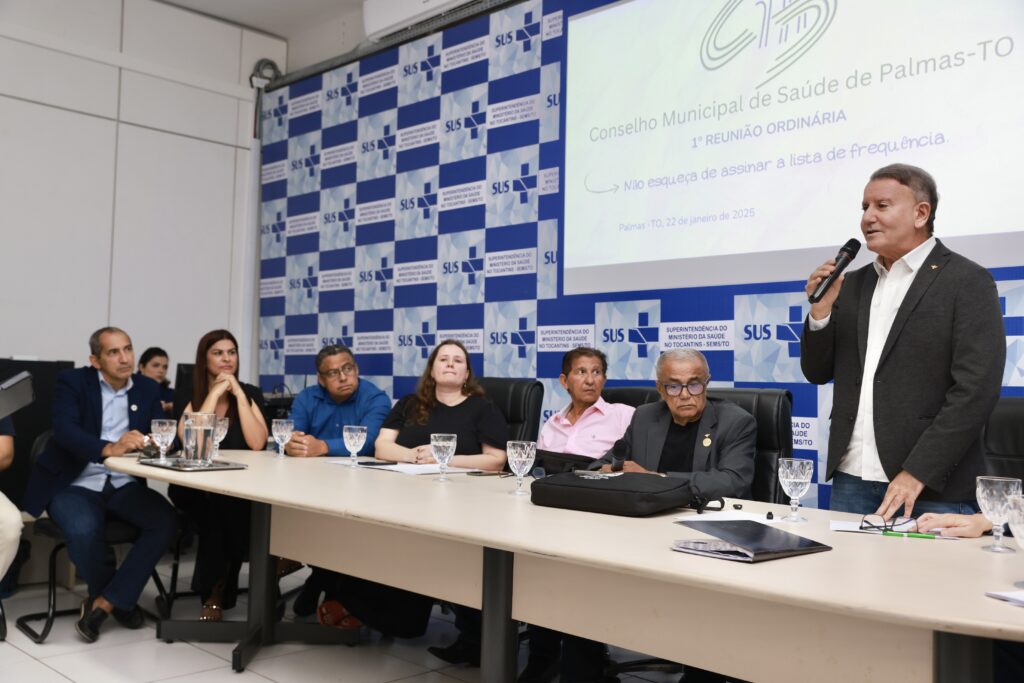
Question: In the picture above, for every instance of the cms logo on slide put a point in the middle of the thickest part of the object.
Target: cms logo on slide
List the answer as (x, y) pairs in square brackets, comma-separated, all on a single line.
[(789, 32)]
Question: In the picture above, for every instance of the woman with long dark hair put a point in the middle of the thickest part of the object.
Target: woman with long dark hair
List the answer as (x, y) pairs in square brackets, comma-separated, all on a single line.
[(447, 400), (221, 522)]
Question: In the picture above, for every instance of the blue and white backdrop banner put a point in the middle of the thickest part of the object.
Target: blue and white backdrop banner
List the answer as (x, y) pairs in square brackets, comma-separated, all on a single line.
[(415, 195)]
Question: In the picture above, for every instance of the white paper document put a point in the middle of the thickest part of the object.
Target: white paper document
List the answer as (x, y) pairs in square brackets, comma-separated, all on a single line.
[(854, 527), (1012, 597), (909, 527), (409, 468)]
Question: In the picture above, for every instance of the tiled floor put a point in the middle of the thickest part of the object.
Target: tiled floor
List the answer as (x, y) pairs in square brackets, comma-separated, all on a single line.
[(137, 656)]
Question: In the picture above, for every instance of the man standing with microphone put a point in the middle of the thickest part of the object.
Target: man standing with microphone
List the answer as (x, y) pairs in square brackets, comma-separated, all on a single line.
[(916, 346)]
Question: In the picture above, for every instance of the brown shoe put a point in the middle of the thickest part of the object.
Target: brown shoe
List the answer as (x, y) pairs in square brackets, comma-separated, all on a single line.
[(332, 613)]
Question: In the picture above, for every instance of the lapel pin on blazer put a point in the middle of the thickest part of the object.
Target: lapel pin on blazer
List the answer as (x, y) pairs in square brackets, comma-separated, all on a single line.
[(134, 407), (934, 267), (707, 440)]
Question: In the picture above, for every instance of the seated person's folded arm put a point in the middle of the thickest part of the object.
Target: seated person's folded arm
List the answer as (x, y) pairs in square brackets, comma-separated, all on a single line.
[(374, 418), (254, 427), (303, 444), (949, 524), (492, 459), (386, 447), (6, 451)]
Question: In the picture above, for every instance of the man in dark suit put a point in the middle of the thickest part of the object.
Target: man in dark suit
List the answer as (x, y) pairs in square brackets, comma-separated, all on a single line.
[(101, 412), (921, 328), (709, 442)]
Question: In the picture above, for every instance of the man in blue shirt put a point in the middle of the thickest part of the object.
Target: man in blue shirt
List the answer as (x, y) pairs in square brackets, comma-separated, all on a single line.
[(340, 398), (101, 412), (320, 413)]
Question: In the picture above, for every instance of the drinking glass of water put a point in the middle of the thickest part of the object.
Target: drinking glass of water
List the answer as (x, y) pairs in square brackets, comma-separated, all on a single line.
[(163, 435), (201, 428), (795, 477), (520, 460), (994, 494), (443, 448), (355, 438), (282, 431), (187, 442), (219, 433)]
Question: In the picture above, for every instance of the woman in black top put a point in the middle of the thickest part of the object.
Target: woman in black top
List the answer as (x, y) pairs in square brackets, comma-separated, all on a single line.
[(447, 401), (221, 522)]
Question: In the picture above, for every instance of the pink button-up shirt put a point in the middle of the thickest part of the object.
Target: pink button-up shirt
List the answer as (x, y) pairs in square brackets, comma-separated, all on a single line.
[(593, 434)]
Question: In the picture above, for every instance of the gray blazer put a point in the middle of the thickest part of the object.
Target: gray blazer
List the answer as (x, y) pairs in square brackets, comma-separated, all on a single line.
[(724, 467), (938, 377)]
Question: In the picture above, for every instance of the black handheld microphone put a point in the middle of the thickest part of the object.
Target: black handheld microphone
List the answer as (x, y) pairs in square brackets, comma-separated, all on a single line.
[(846, 254)]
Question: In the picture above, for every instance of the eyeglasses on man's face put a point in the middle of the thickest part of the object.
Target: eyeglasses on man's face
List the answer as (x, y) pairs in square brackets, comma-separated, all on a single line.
[(335, 373), (695, 388)]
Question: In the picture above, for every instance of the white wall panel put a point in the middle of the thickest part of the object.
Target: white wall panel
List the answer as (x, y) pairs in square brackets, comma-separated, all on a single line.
[(245, 260), (174, 225), (172, 239), (170, 106), (96, 23), (332, 37), (42, 75), (191, 42), (55, 189), (244, 127)]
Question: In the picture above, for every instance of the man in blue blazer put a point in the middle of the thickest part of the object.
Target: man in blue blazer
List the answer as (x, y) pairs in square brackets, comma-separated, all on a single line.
[(102, 412)]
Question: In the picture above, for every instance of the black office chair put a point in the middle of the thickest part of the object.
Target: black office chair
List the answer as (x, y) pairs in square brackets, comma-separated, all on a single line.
[(773, 411), (519, 400), (1004, 438), (115, 533), (631, 396)]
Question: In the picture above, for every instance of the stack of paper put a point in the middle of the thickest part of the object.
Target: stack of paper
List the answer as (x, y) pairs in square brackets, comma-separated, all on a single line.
[(1012, 597), (410, 468)]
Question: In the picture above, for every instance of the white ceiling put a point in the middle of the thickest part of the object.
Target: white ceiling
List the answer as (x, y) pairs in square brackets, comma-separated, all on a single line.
[(282, 18)]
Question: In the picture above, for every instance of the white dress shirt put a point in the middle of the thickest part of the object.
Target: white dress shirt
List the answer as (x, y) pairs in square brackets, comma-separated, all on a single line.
[(114, 426), (861, 458)]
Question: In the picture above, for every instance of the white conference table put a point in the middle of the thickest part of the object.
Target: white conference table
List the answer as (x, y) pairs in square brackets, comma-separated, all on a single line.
[(871, 609)]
